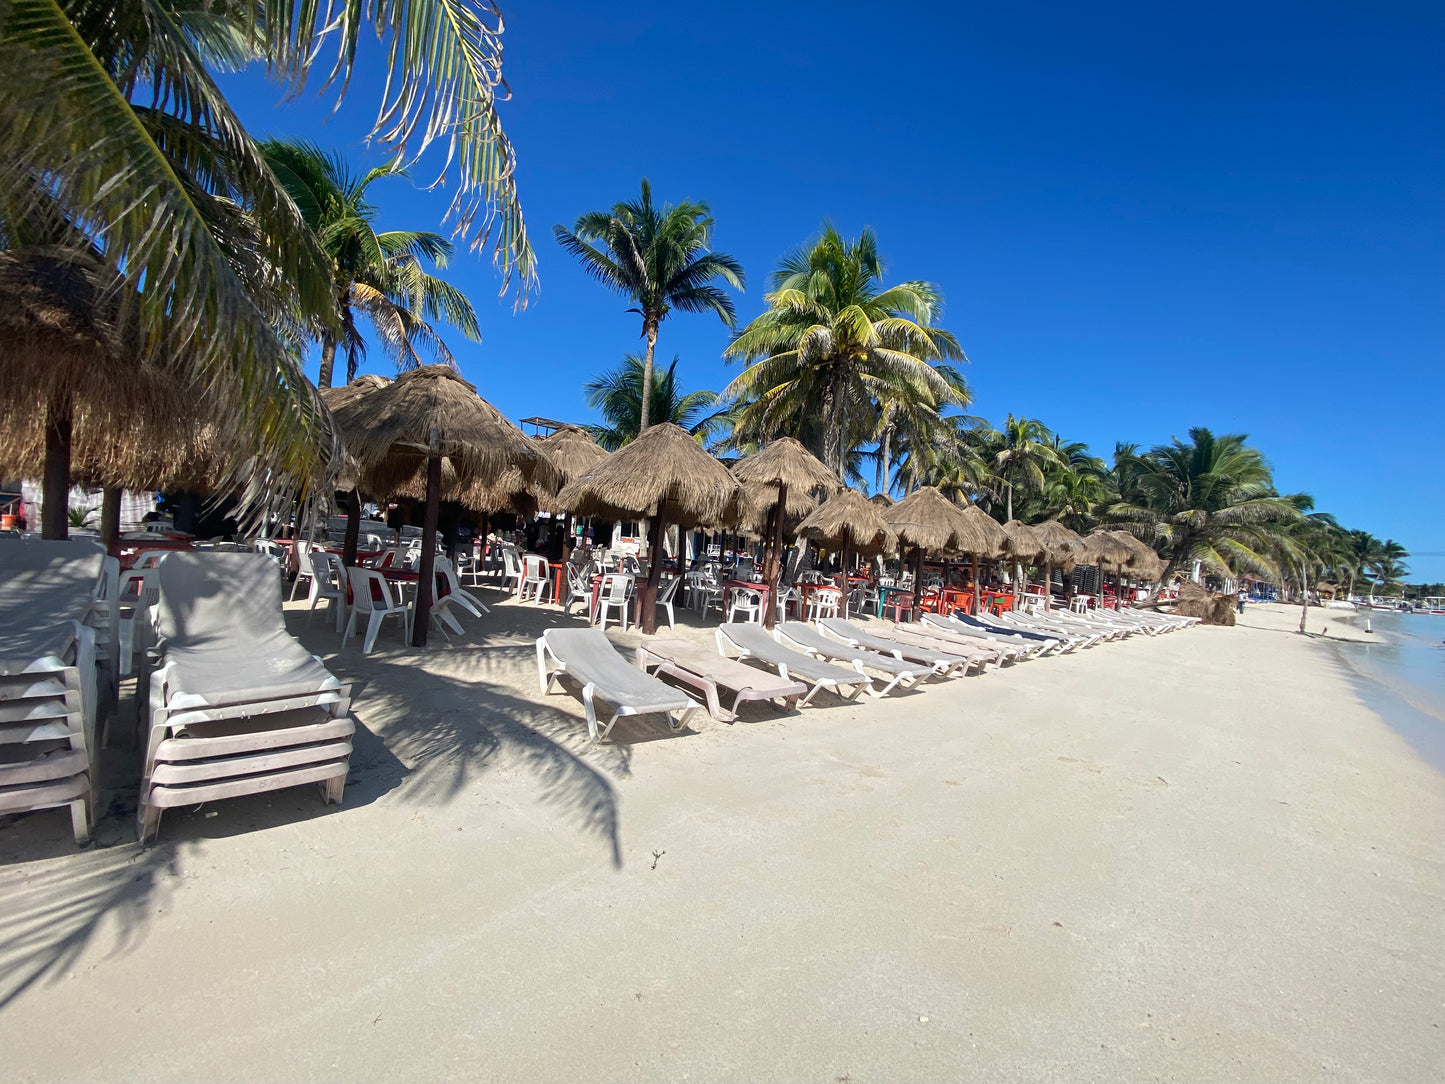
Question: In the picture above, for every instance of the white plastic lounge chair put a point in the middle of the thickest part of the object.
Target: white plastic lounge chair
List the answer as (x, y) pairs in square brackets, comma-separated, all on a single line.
[(806, 638), (371, 597), (942, 663), (745, 640), (965, 625), (982, 651), (236, 706), (47, 683), (709, 672), (589, 657)]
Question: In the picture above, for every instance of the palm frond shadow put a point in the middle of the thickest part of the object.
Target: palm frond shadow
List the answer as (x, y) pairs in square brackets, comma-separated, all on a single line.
[(50, 916), (470, 727)]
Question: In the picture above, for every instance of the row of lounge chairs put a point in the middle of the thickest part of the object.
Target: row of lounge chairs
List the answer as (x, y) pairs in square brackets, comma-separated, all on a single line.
[(833, 654)]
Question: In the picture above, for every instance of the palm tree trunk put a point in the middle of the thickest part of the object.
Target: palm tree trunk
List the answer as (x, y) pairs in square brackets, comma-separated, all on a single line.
[(649, 331), (352, 500), (426, 572), (109, 516), (55, 511), (328, 362), (647, 619), (774, 563)]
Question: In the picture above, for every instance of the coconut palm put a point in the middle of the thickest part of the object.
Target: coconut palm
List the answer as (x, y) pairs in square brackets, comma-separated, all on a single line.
[(1211, 500), (1023, 450), (380, 275), (833, 341), (617, 393), (113, 121), (661, 258), (1388, 566)]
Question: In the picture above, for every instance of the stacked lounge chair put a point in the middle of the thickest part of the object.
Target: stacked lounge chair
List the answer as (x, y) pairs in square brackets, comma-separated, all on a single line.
[(589, 657), (235, 704), (709, 672), (48, 695), (897, 672), (745, 640), (941, 661)]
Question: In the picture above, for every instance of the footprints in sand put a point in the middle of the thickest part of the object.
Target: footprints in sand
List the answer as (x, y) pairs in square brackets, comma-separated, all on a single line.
[(1155, 782)]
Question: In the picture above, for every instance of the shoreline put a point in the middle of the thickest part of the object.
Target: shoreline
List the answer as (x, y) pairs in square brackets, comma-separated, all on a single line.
[(1196, 856)]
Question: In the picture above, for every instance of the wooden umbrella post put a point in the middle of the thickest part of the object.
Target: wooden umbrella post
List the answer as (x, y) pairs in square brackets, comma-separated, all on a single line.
[(1048, 584), (843, 576), (352, 501), (109, 516), (974, 556), (647, 619), (774, 563), (917, 584), (424, 585), (55, 509)]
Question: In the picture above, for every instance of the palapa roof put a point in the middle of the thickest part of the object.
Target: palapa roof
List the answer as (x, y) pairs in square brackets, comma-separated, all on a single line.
[(784, 461), (883, 500), (1144, 560), (930, 521), (392, 430), (663, 468), (984, 537), (851, 518), (1023, 541), (572, 452), (1063, 544), (1103, 547)]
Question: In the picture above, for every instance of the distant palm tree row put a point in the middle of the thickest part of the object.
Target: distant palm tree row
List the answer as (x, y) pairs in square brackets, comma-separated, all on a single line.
[(859, 372)]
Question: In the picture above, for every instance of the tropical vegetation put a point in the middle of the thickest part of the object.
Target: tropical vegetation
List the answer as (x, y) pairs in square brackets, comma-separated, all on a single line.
[(659, 258), (380, 275), (617, 395)]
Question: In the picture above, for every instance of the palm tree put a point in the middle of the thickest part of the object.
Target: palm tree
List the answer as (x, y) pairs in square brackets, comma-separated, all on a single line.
[(1389, 565), (618, 395), (912, 417), (661, 258), (378, 274), (833, 341), (1071, 494), (1211, 500), (1023, 451), (114, 123)]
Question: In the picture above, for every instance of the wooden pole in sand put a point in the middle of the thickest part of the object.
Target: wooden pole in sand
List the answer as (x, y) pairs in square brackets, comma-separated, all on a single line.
[(421, 618), (772, 564)]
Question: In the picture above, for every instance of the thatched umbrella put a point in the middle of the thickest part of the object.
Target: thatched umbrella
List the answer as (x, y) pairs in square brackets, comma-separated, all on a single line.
[(787, 473), (1026, 546), (423, 417), (849, 522), (985, 539), (1103, 547), (663, 476), (1144, 561), (927, 521), (335, 399), (132, 412), (573, 453), (883, 500), (1062, 550)]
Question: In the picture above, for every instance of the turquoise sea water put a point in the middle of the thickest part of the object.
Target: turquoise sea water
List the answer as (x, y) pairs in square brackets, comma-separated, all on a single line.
[(1403, 675)]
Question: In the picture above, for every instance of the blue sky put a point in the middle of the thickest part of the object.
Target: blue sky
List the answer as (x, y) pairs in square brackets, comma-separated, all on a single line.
[(1143, 218)]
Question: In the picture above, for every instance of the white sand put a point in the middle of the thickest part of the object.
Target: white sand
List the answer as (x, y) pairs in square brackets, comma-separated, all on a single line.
[(1197, 857)]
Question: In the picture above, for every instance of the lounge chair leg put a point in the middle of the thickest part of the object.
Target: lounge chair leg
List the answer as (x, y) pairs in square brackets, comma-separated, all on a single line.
[(148, 823), (332, 789), (542, 665), (80, 821), (591, 710)]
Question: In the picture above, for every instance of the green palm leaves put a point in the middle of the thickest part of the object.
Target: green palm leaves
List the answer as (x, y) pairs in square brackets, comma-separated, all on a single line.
[(833, 342), (618, 395), (661, 259), (379, 275)]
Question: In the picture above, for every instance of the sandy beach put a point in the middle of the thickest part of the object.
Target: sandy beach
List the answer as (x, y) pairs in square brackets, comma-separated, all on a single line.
[(1192, 857)]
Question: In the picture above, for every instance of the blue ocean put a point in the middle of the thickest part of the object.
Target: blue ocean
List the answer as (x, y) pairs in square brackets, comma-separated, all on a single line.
[(1402, 676)]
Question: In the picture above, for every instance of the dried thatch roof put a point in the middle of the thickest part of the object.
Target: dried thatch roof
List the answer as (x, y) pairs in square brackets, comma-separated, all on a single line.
[(786, 462), (883, 500), (572, 452), (851, 518), (1103, 547), (929, 520), (664, 467), (1062, 544), (393, 430), (984, 536), (1024, 541), (1144, 558)]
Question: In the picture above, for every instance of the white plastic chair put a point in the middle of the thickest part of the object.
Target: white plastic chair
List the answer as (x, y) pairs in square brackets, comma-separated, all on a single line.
[(535, 578), (665, 598), (328, 584), (138, 592), (787, 596), (747, 601), (615, 593), (823, 602), (512, 570), (579, 587), (371, 595)]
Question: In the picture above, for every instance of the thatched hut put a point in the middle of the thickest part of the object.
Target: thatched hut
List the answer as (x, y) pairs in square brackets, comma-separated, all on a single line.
[(1061, 548), (929, 522), (779, 481), (849, 522), (573, 452), (424, 417), (663, 476)]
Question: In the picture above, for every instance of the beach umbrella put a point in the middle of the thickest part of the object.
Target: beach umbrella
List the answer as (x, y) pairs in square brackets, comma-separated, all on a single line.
[(883, 500), (347, 480), (424, 418), (849, 521), (1103, 547), (1062, 547), (1026, 546), (781, 478), (985, 539), (85, 394), (573, 453), (1144, 561), (928, 521), (663, 476)]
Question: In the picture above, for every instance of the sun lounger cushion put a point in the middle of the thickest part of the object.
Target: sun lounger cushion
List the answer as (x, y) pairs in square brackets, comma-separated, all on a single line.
[(589, 657), (729, 673), (756, 642), (913, 651), (812, 640)]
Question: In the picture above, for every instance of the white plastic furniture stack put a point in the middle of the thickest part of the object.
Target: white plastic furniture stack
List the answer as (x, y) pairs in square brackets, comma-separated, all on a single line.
[(236, 706), (48, 679)]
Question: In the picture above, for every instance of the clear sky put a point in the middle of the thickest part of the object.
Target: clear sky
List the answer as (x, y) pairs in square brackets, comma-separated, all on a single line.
[(1143, 217)]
